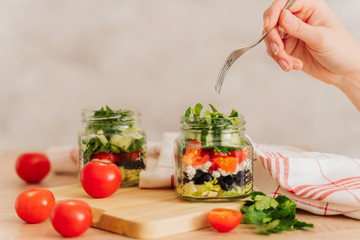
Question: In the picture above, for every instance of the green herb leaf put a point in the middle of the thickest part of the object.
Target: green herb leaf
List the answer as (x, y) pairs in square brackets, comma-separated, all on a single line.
[(213, 123), (197, 110), (188, 112), (271, 215), (299, 225), (107, 122), (213, 108), (265, 202), (208, 117), (234, 113)]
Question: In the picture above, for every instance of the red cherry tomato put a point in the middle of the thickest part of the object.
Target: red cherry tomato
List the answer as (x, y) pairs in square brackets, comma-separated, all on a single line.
[(227, 163), (112, 157), (201, 160), (100, 179), (71, 218), (215, 154), (192, 153), (224, 220), (129, 156), (34, 205), (32, 167), (241, 155)]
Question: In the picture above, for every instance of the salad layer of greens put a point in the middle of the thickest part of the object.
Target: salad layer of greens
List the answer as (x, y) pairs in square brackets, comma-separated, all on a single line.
[(114, 136), (214, 156)]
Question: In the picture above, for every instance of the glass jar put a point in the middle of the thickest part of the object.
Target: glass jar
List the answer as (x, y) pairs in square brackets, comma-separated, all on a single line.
[(115, 136), (213, 159)]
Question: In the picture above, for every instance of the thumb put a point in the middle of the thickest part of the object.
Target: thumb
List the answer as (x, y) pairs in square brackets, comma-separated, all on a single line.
[(297, 28)]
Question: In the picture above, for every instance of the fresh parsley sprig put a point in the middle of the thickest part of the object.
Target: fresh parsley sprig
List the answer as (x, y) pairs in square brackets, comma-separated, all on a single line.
[(271, 215)]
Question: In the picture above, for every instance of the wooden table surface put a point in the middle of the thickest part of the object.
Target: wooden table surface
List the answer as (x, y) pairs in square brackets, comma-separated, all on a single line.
[(12, 227)]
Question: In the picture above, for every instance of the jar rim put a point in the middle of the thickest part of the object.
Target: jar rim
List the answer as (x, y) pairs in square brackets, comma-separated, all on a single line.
[(240, 117), (88, 114), (202, 122)]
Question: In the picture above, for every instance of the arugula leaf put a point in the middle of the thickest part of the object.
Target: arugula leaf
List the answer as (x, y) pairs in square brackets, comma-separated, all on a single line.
[(197, 110), (208, 117), (271, 215), (213, 123), (213, 108), (234, 113), (107, 120), (224, 149), (104, 123), (188, 112)]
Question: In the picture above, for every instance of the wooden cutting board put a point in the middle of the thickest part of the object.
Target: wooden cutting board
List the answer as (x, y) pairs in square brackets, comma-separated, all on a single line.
[(144, 213)]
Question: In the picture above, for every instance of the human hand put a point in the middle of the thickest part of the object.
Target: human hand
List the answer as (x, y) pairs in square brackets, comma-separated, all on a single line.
[(315, 41)]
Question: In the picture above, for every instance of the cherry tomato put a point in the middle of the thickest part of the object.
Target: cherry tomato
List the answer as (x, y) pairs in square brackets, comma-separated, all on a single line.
[(218, 154), (129, 156), (194, 145), (34, 205), (192, 153), (204, 158), (241, 154), (100, 179), (112, 157), (224, 220), (32, 167), (227, 163), (71, 218)]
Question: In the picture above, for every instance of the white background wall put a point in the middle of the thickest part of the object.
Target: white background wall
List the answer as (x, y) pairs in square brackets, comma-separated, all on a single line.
[(161, 56)]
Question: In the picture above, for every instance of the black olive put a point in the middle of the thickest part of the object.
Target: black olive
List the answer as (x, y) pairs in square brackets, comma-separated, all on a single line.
[(186, 180), (198, 174), (142, 164), (207, 177), (240, 178), (229, 179), (127, 164), (226, 183), (200, 177)]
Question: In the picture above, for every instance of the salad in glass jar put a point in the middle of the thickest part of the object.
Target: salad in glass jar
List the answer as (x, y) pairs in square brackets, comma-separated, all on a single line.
[(213, 156), (114, 136)]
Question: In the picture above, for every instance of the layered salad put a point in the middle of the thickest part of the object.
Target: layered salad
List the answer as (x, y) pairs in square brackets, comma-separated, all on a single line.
[(114, 136), (214, 157)]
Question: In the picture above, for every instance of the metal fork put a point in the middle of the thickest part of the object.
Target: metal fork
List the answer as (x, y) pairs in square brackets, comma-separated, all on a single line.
[(237, 53)]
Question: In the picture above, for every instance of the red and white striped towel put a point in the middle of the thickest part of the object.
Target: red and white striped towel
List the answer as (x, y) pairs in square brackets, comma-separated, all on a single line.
[(321, 183)]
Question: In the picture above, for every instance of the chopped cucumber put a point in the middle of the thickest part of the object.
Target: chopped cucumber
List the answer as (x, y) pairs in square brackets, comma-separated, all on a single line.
[(232, 139), (103, 139), (121, 141), (189, 136)]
